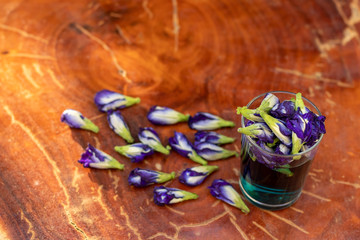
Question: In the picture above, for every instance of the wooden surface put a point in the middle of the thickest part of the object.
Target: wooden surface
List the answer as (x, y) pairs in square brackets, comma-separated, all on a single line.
[(189, 55)]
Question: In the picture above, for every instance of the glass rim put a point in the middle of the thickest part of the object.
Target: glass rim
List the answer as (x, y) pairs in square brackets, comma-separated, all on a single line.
[(276, 154)]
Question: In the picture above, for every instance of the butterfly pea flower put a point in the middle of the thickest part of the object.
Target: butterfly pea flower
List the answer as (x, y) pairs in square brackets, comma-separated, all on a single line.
[(285, 169), (75, 119), (264, 146), (212, 152), (95, 158), (183, 146), (164, 196), (317, 127), (258, 130), (136, 151), (144, 177), (212, 137), (300, 131), (250, 114), (282, 149), (107, 100), (273, 144), (278, 127), (283, 110), (150, 137), (269, 101), (224, 191), (165, 116), (299, 104), (118, 125), (196, 175), (208, 121)]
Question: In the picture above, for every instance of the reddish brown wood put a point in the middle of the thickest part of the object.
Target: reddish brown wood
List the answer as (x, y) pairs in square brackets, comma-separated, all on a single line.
[(189, 55)]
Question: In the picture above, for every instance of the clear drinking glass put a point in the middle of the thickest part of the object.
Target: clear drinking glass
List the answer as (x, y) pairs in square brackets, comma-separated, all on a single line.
[(279, 187)]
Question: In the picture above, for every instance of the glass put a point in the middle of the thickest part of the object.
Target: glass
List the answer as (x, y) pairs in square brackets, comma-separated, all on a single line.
[(279, 187)]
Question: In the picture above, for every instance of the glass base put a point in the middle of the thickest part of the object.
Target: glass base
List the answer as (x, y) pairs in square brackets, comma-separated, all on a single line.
[(268, 198)]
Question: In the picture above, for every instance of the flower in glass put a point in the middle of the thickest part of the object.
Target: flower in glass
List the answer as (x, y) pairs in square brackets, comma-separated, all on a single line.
[(278, 127), (164, 196), (258, 130), (75, 119), (107, 100), (95, 158), (144, 177)]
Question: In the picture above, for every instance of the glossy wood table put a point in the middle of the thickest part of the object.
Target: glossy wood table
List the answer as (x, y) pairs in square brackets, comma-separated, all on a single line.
[(192, 56)]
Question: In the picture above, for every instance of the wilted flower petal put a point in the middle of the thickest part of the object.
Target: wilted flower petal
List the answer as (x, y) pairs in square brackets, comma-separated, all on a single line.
[(212, 152), (250, 114), (212, 137), (224, 191), (144, 177), (75, 119), (107, 100), (260, 131), (182, 145), (278, 128), (208, 121), (94, 158), (136, 151), (283, 110), (282, 149), (165, 116), (269, 101), (119, 126), (150, 137), (196, 175), (165, 196), (316, 125)]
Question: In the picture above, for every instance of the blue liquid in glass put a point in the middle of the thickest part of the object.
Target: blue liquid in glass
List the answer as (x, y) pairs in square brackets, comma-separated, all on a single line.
[(270, 189)]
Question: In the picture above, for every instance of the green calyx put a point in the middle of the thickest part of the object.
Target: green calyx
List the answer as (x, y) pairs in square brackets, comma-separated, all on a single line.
[(160, 148), (285, 170), (131, 101), (126, 135), (183, 117), (164, 177), (225, 123), (225, 139), (196, 158), (252, 130), (249, 114), (89, 125), (299, 103)]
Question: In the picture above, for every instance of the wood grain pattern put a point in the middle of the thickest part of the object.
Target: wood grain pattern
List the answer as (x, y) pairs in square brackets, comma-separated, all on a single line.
[(189, 55)]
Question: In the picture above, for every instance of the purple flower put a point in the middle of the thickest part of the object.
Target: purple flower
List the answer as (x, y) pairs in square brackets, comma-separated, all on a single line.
[(118, 125), (75, 119), (269, 101), (136, 152), (107, 100), (95, 158), (278, 127), (250, 114), (207, 121), (224, 191), (164, 196), (283, 110), (165, 116), (316, 125), (196, 175), (183, 146), (258, 130), (212, 137), (282, 149), (144, 177), (150, 137), (212, 152)]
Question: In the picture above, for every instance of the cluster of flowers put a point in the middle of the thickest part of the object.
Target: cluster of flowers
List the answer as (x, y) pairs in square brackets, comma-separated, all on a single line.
[(283, 128), (206, 148)]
